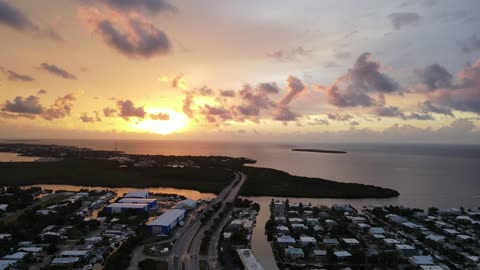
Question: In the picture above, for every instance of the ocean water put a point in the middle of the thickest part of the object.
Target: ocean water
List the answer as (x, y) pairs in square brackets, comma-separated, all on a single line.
[(425, 175)]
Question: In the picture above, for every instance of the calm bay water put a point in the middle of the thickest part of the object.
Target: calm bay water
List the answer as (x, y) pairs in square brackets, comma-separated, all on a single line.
[(425, 175)]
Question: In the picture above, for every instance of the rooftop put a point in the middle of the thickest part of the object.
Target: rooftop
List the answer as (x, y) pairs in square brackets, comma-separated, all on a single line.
[(167, 218)]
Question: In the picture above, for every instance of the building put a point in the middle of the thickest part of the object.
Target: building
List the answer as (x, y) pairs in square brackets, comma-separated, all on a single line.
[(351, 241), (137, 194), (294, 253), (308, 240), (152, 203), (166, 222), (4, 264), (65, 261), (407, 250), (116, 208), (286, 240), (278, 209), (186, 204), (75, 253), (18, 256), (342, 255), (248, 260)]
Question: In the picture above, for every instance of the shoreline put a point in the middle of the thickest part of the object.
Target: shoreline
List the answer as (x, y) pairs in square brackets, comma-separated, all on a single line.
[(206, 174)]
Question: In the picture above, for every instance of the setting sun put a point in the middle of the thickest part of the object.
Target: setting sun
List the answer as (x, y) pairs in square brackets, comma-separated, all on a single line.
[(166, 122)]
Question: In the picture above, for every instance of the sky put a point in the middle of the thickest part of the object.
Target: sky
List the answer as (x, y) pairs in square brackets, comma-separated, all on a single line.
[(313, 71)]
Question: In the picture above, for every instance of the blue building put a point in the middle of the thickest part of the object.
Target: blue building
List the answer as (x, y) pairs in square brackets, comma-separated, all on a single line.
[(166, 222)]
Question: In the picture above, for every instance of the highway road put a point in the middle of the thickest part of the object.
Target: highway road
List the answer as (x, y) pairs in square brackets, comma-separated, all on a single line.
[(186, 250)]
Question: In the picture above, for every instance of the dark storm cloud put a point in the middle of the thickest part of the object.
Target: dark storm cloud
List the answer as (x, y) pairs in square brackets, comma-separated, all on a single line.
[(428, 107), (402, 19), (434, 76), (129, 34), (127, 109), (160, 116), (470, 45), (28, 105), (227, 93), (289, 54), (14, 76), (339, 117), (356, 86), (57, 71), (86, 118)]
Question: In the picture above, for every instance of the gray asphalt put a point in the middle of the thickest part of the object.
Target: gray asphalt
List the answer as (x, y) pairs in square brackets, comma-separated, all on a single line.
[(186, 250)]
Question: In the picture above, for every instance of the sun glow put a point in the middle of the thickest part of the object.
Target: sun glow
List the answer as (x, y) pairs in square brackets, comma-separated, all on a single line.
[(176, 122)]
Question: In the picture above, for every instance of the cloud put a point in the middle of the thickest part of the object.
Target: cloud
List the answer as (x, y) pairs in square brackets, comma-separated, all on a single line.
[(339, 117), (127, 109), (215, 114), (402, 19), (470, 45), (319, 122), (85, 118), (41, 92), (428, 107), (268, 88), (295, 87), (130, 34), (160, 116), (285, 114), (57, 71), (354, 123), (204, 91), (14, 76), (434, 76), (31, 107), (28, 105), (464, 95), (289, 54), (420, 116), (150, 6), (356, 86), (12, 17), (61, 108), (109, 112), (227, 93), (188, 103), (391, 111)]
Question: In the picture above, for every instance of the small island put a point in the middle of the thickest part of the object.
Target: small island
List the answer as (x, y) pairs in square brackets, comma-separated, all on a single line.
[(319, 151)]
